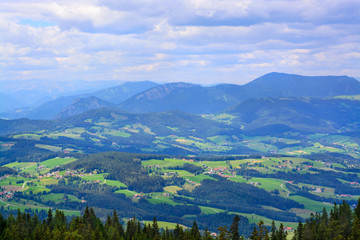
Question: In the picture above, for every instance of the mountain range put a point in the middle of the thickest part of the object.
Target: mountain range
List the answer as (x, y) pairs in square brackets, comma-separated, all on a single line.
[(57, 107), (141, 97)]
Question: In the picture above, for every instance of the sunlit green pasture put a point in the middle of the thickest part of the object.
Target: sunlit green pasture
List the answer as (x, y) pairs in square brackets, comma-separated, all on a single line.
[(115, 183), (28, 136), (127, 192), (160, 198), (49, 147), (311, 204), (210, 210), (94, 177), (172, 189), (59, 197), (165, 225), (54, 162)]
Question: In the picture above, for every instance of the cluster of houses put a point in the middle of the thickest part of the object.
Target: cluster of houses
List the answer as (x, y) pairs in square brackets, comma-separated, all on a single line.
[(354, 183), (56, 175), (222, 172), (5, 176), (345, 195), (6, 194), (316, 189), (138, 196)]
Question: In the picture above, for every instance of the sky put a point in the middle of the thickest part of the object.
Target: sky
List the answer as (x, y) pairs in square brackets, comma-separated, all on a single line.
[(198, 41)]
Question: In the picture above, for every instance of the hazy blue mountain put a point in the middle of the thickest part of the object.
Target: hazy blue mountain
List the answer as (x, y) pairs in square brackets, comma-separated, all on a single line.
[(32, 93), (82, 105), (50, 109), (9, 102), (292, 85), (46, 110), (185, 97), (302, 114), (122, 92), (204, 100)]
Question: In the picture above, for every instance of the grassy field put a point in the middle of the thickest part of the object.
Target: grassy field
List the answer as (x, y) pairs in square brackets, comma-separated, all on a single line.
[(127, 192), (269, 184), (165, 225), (94, 177), (116, 133), (115, 183), (49, 147), (28, 136), (59, 197), (199, 178), (172, 189), (12, 181), (160, 198), (210, 210), (311, 204), (23, 166), (51, 163), (33, 168)]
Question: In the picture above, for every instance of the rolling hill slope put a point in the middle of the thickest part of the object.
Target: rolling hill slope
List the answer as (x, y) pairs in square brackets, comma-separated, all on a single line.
[(302, 114)]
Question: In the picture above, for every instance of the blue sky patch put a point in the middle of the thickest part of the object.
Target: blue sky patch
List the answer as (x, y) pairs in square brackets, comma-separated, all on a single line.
[(37, 24)]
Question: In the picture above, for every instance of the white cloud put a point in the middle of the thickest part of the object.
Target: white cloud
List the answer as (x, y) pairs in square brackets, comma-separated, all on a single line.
[(198, 40)]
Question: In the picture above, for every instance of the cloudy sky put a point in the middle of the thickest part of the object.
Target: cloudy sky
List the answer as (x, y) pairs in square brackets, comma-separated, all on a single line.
[(199, 41)]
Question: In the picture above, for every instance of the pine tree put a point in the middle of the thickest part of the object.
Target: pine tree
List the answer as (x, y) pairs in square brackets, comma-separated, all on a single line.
[(2, 226), (224, 234), (273, 231), (281, 234), (299, 233), (178, 232), (194, 231), (155, 231), (234, 228), (255, 234), (49, 217), (355, 232), (357, 210)]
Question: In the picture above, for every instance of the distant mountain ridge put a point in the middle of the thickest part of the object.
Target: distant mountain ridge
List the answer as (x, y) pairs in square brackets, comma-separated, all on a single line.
[(50, 109), (180, 96), (142, 97), (292, 85), (82, 105), (302, 114), (208, 100), (329, 115)]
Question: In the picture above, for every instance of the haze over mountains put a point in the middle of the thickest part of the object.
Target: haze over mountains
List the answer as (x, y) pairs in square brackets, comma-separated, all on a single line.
[(148, 96), (274, 102), (51, 109)]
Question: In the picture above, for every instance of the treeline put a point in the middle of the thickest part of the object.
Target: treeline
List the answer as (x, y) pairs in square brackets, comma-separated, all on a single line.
[(189, 167), (341, 223), (89, 226), (6, 170)]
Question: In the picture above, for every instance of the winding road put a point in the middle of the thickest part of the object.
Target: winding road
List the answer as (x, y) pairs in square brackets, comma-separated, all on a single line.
[(288, 192)]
